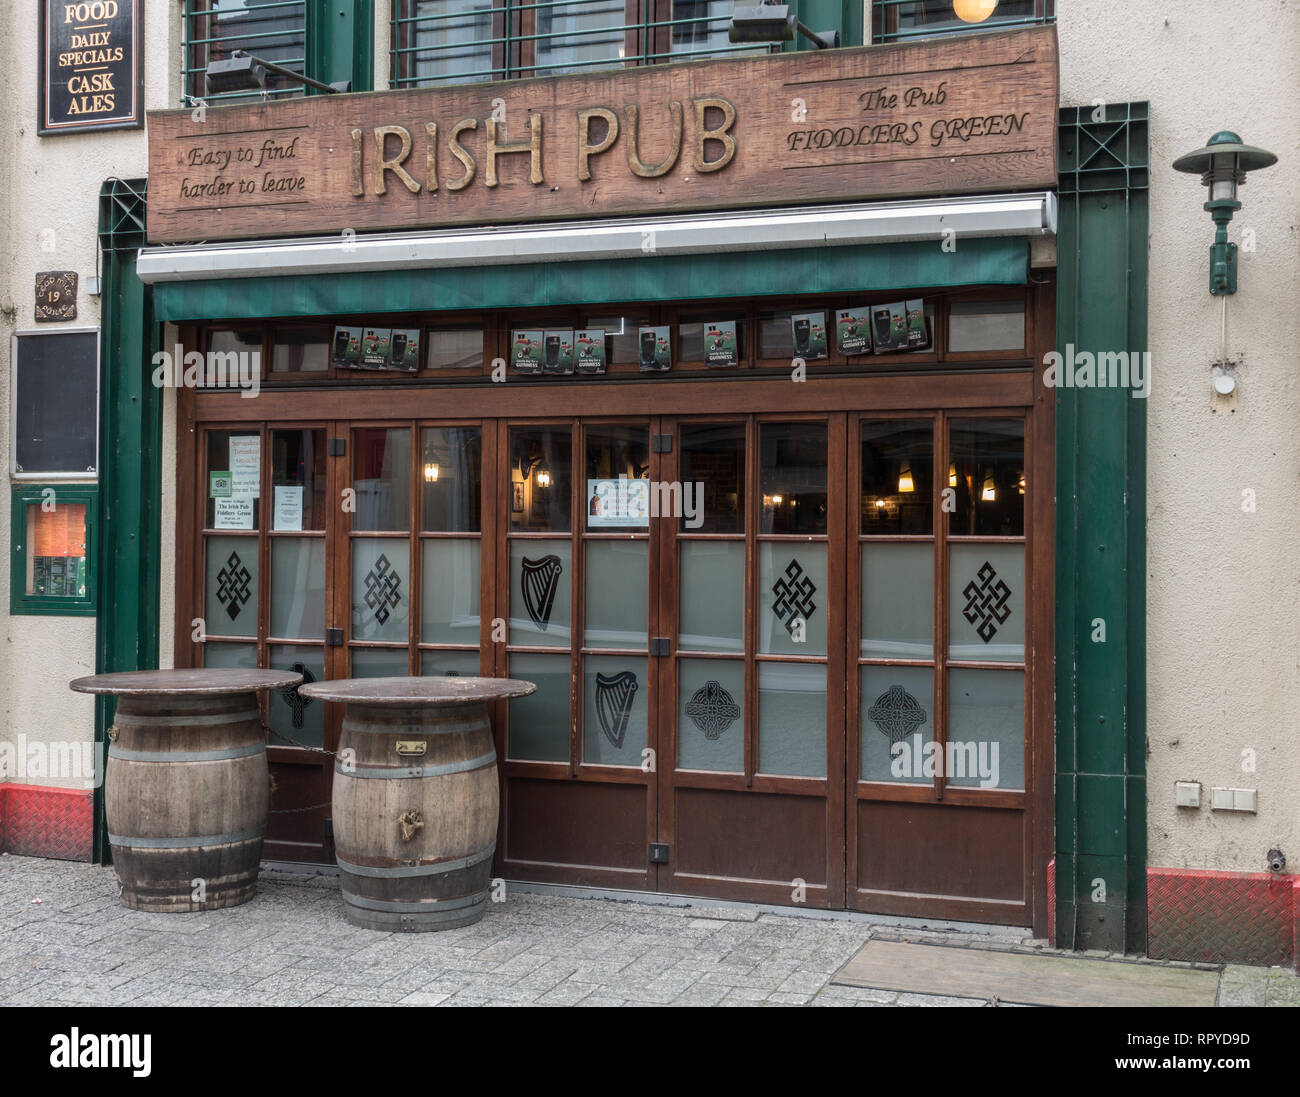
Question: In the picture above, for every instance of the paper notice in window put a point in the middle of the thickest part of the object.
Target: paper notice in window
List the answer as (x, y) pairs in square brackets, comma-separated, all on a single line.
[(233, 513), (288, 507), (245, 466)]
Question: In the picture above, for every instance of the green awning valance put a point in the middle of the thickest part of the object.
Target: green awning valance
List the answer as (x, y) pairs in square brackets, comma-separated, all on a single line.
[(846, 269)]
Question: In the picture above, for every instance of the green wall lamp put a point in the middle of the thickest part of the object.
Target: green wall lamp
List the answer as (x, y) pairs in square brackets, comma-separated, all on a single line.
[(1222, 166)]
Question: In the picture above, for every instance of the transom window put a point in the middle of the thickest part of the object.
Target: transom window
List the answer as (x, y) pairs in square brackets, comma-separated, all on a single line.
[(899, 20), (455, 41), (275, 30)]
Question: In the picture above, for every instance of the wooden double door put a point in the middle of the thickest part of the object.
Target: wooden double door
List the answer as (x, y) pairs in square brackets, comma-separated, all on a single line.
[(793, 658)]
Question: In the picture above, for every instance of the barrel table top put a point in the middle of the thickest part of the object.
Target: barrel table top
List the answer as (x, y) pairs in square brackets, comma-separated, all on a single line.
[(418, 691), (201, 680)]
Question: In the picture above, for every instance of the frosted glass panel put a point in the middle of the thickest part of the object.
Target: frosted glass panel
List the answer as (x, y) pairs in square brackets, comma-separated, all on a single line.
[(792, 718), (292, 716), (614, 712), (712, 596), (986, 728), (298, 588), (541, 574), (539, 723), (792, 598), (456, 664), (617, 594), (381, 589), (986, 325), (897, 712), (987, 603), (243, 656), (231, 598), (380, 663), (449, 591), (897, 601), (710, 724)]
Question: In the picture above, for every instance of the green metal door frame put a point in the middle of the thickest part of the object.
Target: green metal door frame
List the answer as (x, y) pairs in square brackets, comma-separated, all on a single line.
[(1101, 536)]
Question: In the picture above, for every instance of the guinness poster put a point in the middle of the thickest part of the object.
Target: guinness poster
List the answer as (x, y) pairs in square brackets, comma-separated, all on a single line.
[(91, 65)]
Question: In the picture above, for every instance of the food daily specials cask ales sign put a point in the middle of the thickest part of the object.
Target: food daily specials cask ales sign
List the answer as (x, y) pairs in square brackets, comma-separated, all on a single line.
[(957, 115), (91, 65)]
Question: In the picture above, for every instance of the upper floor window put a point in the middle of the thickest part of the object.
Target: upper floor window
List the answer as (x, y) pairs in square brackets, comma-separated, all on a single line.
[(459, 41), (899, 20), (275, 30)]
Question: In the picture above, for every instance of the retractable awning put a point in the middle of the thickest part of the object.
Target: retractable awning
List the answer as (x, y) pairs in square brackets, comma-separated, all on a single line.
[(863, 247)]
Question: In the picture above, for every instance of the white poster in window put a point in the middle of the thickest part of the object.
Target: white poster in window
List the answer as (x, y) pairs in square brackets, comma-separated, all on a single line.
[(618, 503), (245, 465), (234, 513), (288, 507)]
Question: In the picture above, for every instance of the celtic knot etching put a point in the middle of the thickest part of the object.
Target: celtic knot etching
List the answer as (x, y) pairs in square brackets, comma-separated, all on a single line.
[(296, 701), (986, 602), (383, 589), (712, 709), (233, 585), (896, 713), (793, 597)]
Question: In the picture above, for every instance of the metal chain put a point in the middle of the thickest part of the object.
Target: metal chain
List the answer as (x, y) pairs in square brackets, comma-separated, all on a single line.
[(304, 746), (298, 811)]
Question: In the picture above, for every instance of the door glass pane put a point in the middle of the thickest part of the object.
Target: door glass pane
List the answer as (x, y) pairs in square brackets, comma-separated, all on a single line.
[(700, 29), (710, 723), (621, 342), (988, 472), (541, 574), (897, 477), (455, 349), (897, 721), (539, 723), (775, 338), (986, 728), (234, 480), (381, 476), (986, 325), (231, 586), (216, 654), (449, 591), (453, 664), (792, 598), (614, 708), (792, 718), (294, 719), (617, 594), (575, 37), (451, 470), (897, 600), (986, 619), (792, 477), (713, 455), (298, 588), (541, 479), (617, 453), (381, 589), (712, 596), (379, 663), (298, 479), (451, 41)]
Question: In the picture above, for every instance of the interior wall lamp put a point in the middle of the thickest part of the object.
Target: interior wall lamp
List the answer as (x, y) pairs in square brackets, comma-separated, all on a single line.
[(768, 22), (1222, 166)]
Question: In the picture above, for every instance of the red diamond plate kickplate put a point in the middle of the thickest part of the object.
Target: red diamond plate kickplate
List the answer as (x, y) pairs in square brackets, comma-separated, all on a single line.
[(1222, 917), (47, 822)]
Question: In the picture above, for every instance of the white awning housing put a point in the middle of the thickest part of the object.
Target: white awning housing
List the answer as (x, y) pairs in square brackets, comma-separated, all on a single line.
[(1031, 214)]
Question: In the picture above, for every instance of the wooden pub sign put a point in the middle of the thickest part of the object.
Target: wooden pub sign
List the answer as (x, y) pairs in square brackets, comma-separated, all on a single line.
[(91, 65), (961, 115)]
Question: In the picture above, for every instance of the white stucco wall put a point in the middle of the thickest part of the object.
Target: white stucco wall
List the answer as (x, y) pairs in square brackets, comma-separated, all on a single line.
[(49, 202), (1223, 618)]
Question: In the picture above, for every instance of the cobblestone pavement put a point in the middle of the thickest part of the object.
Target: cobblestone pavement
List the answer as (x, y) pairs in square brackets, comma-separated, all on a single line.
[(291, 946)]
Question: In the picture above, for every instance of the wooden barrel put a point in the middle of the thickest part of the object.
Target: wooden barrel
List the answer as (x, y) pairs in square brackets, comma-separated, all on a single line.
[(415, 814), (185, 799)]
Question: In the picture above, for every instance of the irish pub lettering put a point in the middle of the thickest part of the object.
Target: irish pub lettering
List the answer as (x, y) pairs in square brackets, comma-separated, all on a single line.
[(452, 156)]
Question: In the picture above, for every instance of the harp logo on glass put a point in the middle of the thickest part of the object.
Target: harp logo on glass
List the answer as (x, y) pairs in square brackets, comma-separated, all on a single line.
[(539, 580), (614, 696)]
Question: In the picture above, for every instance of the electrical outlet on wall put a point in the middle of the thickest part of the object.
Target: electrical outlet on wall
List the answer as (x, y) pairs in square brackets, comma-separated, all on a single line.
[(1187, 794)]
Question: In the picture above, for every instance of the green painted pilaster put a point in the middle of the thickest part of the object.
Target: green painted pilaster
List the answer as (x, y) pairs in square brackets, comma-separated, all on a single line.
[(340, 42), (130, 441), (1101, 536), (844, 16)]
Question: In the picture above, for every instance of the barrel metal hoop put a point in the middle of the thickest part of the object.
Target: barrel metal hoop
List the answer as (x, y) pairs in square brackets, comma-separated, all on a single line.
[(200, 720), (481, 762), (185, 843), (418, 870), (186, 755), (417, 731), (433, 906)]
